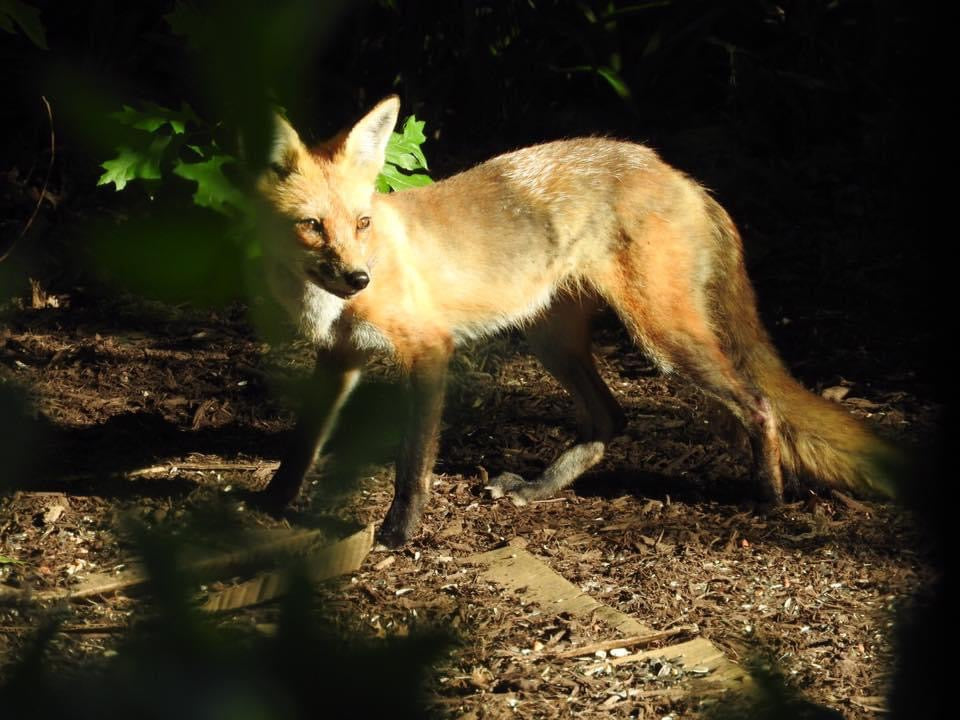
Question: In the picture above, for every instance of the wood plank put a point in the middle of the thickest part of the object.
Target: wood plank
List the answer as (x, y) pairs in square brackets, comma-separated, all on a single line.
[(321, 558), (514, 568), (320, 564)]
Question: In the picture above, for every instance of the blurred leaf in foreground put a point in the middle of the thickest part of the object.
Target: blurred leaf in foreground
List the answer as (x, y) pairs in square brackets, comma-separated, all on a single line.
[(14, 13)]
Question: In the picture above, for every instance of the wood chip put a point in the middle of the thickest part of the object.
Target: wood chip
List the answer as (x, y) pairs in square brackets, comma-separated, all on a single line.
[(835, 393), (385, 563)]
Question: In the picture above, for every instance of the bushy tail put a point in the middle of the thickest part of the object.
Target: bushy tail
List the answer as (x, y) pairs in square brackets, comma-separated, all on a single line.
[(819, 439)]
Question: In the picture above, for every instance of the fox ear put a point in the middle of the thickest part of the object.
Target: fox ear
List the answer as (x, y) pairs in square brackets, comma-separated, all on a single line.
[(366, 144), (285, 147)]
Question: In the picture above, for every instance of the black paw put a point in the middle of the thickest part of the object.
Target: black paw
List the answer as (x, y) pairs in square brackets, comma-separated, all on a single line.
[(400, 524), (392, 537)]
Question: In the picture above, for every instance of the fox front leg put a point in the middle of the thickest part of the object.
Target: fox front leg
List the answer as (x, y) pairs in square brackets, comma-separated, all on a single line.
[(418, 451), (334, 377)]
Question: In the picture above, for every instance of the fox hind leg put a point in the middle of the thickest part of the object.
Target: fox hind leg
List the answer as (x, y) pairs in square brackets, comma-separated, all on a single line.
[(709, 368), (666, 315), (561, 341)]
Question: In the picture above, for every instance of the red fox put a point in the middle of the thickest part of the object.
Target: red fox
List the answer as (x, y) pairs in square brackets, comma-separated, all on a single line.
[(532, 239)]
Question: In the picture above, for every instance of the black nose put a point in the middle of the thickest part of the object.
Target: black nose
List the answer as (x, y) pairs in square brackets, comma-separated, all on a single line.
[(357, 279)]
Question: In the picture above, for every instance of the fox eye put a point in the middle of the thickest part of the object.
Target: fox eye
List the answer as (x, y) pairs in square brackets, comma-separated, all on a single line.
[(363, 223), (311, 225), (281, 171)]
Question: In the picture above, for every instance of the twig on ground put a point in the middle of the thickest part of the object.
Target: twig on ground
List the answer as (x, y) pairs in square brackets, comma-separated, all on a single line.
[(626, 642)]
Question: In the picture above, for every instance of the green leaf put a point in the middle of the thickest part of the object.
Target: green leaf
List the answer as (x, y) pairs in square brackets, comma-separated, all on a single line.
[(214, 189), (413, 138), (413, 130), (405, 160), (403, 149), (27, 18), (134, 164), (618, 84), (397, 180), (4, 560), (403, 152), (616, 12), (612, 77), (152, 117)]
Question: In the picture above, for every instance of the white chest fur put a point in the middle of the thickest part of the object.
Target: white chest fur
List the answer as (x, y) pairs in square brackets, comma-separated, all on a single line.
[(318, 313)]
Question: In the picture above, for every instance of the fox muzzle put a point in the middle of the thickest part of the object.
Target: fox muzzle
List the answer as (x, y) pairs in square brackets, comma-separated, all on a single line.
[(357, 279), (339, 281)]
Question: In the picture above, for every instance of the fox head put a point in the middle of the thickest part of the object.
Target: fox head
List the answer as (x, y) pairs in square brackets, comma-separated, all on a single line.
[(323, 198)]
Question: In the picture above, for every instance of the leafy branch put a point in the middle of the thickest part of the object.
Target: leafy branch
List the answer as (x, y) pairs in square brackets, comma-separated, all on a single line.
[(160, 141)]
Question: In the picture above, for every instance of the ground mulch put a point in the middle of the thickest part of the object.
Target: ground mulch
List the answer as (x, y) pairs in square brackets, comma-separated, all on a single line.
[(665, 529)]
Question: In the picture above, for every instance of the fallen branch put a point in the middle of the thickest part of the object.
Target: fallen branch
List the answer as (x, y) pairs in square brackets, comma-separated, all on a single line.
[(168, 469), (71, 629), (627, 642), (699, 654), (199, 467), (852, 504)]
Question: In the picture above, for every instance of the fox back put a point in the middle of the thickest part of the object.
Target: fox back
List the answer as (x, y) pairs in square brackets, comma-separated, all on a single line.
[(486, 249)]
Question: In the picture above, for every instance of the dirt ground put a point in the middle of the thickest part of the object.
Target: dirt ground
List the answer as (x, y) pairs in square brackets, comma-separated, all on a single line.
[(663, 530)]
